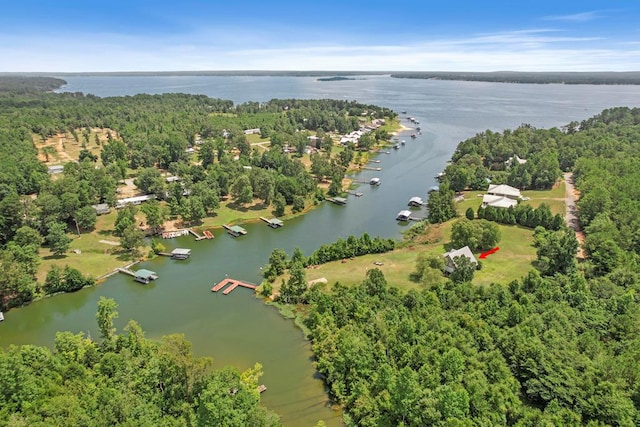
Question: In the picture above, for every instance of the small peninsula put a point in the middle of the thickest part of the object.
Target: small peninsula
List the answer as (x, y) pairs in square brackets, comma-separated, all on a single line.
[(334, 79)]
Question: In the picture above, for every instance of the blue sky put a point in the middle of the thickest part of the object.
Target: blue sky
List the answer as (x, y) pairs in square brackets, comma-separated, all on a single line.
[(470, 35)]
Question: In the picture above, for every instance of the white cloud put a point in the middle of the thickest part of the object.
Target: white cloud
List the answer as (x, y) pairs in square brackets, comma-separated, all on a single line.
[(527, 50), (576, 17)]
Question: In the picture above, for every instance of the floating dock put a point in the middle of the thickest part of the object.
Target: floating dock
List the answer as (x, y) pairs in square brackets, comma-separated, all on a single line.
[(262, 388), (196, 235), (273, 222), (207, 234), (337, 200), (235, 230), (234, 284), (369, 168)]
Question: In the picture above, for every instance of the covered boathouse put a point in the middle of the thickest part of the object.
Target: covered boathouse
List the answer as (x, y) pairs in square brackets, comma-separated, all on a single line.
[(235, 230), (145, 276), (180, 253)]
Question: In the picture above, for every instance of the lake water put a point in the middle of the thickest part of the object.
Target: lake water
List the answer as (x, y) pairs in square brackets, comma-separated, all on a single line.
[(239, 329)]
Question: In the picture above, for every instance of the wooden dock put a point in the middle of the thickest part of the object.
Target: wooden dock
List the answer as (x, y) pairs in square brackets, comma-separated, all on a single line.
[(273, 222), (369, 168), (354, 193), (207, 234), (196, 235), (126, 271), (234, 284)]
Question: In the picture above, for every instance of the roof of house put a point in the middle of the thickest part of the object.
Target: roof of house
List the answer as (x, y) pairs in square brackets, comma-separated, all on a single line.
[(498, 201), (503, 189), (464, 251), (101, 208), (136, 199), (55, 169)]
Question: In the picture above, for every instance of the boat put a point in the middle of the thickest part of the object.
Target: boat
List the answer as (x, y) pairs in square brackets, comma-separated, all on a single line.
[(1, 316), (396, 146), (413, 135), (402, 142), (375, 181)]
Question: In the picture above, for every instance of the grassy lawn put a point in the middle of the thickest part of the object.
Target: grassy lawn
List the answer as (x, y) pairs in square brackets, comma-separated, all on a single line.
[(512, 261), (87, 253), (554, 198)]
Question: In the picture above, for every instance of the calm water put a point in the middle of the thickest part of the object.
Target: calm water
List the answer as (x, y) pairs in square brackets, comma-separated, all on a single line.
[(237, 328)]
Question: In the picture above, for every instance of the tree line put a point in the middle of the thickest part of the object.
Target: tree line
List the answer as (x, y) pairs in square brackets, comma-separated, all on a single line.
[(124, 379)]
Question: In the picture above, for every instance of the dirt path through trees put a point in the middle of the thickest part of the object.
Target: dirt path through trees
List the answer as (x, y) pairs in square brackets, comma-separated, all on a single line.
[(570, 216)]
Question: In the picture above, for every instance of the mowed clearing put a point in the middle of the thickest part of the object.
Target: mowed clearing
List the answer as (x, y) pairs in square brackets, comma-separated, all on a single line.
[(64, 147)]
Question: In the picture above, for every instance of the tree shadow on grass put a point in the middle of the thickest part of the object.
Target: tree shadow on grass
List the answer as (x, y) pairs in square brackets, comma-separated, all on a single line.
[(54, 257)]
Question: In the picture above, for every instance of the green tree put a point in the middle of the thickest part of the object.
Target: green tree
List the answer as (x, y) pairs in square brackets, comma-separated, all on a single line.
[(440, 205), (105, 316), (57, 238), (86, 218), (207, 153), (279, 204), (131, 239), (298, 204), (155, 214), (470, 214), (126, 218), (241, 190), (556, 250), (464, 270)]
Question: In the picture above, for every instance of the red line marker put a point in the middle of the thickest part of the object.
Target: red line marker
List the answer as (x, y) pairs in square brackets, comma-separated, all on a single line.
[(483, 255)]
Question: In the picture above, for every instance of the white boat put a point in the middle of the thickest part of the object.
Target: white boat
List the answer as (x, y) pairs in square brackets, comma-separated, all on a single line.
[(1, 316)]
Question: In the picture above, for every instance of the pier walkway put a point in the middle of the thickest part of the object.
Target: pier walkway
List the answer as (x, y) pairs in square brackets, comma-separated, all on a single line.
[(234, 284)]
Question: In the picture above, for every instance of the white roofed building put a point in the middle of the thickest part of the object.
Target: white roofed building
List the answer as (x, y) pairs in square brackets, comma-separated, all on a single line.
[(504, 190), (498, 201)]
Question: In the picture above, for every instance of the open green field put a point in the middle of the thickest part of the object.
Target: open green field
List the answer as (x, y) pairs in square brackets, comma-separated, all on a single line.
[(554, 198), (88, 254), (511, 262)]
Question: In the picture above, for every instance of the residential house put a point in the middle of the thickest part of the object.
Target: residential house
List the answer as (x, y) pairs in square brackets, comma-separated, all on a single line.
[(504, 190), (449, 257)]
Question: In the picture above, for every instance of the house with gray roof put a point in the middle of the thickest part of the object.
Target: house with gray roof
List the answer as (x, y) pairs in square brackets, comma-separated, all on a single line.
[(450, 258)]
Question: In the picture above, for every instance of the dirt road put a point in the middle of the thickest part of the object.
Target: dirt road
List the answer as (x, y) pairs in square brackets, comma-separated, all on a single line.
[(570, 215)]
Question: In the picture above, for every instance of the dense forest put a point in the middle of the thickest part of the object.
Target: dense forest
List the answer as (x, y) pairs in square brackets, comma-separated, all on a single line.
[(124, 380), (543, 77), (199, 139), (556, 347), (24, 83)]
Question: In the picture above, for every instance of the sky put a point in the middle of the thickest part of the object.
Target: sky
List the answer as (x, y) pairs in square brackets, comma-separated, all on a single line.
[(340, 35)]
